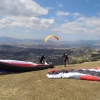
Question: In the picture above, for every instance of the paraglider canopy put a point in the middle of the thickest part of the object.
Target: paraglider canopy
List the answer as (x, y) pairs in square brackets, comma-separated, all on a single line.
[(51, 36)]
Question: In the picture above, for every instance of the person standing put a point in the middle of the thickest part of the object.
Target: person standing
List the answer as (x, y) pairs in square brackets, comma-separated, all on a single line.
[(41, 59), (65, 59)]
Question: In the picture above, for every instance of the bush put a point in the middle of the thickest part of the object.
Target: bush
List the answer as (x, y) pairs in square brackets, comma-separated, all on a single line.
[(73, 61), (93, 59), (80, 60)]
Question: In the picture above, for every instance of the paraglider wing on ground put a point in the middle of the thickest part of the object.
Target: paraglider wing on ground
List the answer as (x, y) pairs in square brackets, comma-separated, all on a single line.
[(81, 74), (22, 66)]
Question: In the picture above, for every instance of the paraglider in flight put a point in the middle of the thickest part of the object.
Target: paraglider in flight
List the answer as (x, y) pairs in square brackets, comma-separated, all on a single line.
[(50, 36)]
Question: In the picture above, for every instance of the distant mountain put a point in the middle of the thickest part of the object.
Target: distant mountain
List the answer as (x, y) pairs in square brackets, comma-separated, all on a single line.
[(75, 43), (10, 40), (90, 43)]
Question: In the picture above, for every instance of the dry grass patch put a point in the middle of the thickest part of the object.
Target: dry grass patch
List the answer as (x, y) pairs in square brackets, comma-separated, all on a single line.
[(36, 86)]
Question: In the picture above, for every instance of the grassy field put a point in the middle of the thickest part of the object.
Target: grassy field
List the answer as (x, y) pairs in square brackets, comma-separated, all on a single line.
[(36, 86)]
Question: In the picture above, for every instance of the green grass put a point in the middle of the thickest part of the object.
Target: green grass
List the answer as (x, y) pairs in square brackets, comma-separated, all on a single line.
[(36, 86)]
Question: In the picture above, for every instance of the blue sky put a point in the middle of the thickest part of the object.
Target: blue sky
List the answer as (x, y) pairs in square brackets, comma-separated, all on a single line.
[(36, 19)]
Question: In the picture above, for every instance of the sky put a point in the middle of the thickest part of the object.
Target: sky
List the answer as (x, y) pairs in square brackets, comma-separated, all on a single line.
[(36, 19)]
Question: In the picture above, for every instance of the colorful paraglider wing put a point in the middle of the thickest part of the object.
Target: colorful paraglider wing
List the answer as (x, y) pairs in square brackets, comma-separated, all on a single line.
[(21, 66), (50, 36), (92, 74)]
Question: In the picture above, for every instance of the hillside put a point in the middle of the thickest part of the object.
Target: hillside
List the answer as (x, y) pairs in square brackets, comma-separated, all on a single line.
[(36, 86), (29, 53)]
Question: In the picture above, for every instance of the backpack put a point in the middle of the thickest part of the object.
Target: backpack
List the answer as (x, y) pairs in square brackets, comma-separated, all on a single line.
[(65, 56), (42, 57)]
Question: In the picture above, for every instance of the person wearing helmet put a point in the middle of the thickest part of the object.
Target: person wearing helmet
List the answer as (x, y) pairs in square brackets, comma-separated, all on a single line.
[(41, 59)]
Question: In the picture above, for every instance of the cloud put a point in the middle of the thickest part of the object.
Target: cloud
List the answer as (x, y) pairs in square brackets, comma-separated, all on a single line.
[(23, 13), (27, 31), (76, 15), (61, 13), (97, 5), (21, 8), (82, 25), (59, 4), (4, 22), (32, 22), (87, 1), (50, 8)]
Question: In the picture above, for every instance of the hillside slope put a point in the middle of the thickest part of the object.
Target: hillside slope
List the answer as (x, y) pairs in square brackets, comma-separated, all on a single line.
[(36, 86)]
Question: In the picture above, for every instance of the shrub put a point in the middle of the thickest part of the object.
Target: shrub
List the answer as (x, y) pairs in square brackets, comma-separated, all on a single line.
[(73, 61), (80, 60)]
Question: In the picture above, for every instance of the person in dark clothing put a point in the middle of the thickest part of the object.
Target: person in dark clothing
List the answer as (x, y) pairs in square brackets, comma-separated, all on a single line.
[(41, 58), (65, 59)]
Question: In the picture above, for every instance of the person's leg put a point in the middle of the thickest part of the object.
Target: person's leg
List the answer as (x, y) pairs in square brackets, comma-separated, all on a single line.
[(40, 61), (65, 63)]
